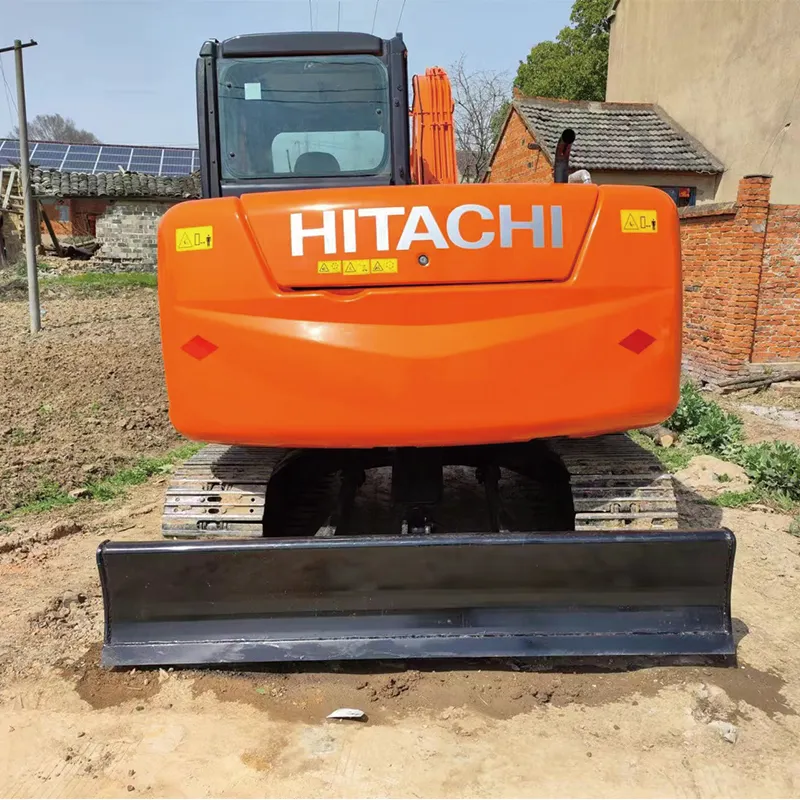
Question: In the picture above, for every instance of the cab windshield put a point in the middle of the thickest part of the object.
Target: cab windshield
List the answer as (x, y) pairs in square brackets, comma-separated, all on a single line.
[(310, 116)]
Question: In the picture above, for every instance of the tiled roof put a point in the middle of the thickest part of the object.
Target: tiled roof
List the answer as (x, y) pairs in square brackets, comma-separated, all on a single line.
[(52, 183), (618, 136)]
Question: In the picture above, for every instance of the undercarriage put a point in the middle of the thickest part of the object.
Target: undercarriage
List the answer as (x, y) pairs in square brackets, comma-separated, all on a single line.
[(607, 482), (570, 549)]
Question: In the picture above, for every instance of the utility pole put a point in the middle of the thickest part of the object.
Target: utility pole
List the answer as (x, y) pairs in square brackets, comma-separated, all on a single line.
[(30, 215)]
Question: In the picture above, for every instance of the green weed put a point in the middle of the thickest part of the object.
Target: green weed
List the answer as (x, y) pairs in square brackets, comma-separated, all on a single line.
[(705, 427), (774, 466), (47, 496), (704, 423), (116, 484), (20, 437), (50, 495), (103, 281)]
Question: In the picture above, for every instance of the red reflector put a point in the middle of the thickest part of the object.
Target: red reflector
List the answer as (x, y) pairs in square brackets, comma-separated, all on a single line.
[(199, 348), (638, 341)]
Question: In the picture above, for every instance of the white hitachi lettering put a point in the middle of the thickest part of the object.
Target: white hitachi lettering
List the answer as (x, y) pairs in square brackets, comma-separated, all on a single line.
[(454, 227), (556, 227), (381, 223), (421, 225), (327, 231), (509, 225), (349, 226), (432, 232)]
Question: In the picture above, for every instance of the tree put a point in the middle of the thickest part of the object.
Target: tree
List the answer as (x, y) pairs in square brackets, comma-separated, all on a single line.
[(498, 120), (55, 128), (478, 96), (574, 66)]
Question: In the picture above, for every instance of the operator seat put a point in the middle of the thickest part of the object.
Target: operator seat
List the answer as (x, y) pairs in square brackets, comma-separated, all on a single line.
[(316, 163)]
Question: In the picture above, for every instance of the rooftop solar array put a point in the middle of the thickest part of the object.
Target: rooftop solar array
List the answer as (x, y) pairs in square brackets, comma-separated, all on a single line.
[(94, 158)]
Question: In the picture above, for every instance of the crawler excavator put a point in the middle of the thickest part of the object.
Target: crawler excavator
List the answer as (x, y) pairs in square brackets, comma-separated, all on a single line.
[(415, 391)]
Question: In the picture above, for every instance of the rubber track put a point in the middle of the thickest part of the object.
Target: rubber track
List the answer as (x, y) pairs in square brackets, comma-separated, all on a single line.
[(617, 484), (220, 492)]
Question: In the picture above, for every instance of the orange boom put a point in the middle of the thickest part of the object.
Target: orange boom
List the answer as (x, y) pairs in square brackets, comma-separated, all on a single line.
[(366, 343)]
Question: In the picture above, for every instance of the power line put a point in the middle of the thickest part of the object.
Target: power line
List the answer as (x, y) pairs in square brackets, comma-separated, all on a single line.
[(375, 15), (402, 9), (339, 16), (310, 15), (9, 95)]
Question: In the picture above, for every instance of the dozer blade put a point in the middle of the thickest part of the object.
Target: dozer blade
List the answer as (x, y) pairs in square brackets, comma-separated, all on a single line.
[(608, 593)]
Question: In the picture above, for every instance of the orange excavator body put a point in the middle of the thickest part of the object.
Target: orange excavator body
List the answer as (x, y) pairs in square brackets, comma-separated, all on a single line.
[(368, 343), (421, 315), (434, 314)]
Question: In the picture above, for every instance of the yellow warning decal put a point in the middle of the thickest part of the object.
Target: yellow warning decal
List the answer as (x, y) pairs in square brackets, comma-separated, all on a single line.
[(201, 238), (638, 220), (380, 265), (356, 266), (329, 267)]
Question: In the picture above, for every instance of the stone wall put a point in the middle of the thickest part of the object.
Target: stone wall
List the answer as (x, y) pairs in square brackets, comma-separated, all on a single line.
[(128, 233)]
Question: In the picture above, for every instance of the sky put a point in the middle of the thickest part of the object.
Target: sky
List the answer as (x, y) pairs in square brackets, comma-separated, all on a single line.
[(124, 69)]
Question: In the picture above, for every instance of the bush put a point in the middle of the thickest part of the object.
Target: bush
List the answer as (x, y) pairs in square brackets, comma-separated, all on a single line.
[(775, 466), (703, 422)]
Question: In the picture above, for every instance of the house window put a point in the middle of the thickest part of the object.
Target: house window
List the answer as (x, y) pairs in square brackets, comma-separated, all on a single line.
[(62, 210), (682, 195)]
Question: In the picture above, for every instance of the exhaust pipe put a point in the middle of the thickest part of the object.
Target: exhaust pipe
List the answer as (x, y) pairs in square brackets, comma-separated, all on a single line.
[(561, 165)]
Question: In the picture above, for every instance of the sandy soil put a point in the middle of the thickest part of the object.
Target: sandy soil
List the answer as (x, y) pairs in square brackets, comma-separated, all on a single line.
[(68, 728), (780, 421), (494, 729)]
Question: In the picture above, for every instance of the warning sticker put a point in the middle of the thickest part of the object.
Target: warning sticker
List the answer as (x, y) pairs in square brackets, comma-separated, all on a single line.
[(201, 238), (378, 265), (329, 267), (637, 220), (356, 266)]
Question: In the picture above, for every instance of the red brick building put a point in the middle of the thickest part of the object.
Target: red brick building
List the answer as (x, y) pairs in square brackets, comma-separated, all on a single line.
[(632, 143)]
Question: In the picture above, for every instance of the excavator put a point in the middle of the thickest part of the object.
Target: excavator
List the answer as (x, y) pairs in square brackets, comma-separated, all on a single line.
[(414, 391)]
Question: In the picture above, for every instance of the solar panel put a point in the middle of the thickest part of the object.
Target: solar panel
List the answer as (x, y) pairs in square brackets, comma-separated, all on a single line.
[(93, 158)]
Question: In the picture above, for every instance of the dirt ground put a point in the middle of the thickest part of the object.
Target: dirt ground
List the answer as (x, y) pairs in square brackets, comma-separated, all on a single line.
[(494, 729), (85, 396), (70, 729)]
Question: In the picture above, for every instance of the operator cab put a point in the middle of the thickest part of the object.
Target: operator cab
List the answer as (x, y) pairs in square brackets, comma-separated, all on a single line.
[(284, 111)]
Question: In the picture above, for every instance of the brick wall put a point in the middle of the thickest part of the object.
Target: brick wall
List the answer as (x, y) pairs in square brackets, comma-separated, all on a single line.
[(127, 231), (777, 336), (514, 161), (81, 214), (741, 278), (55, 209), (84, 213), (722, 255)]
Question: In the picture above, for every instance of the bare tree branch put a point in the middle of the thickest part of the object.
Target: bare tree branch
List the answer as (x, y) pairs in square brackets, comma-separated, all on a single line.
[(55, 128), (479, 97)]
